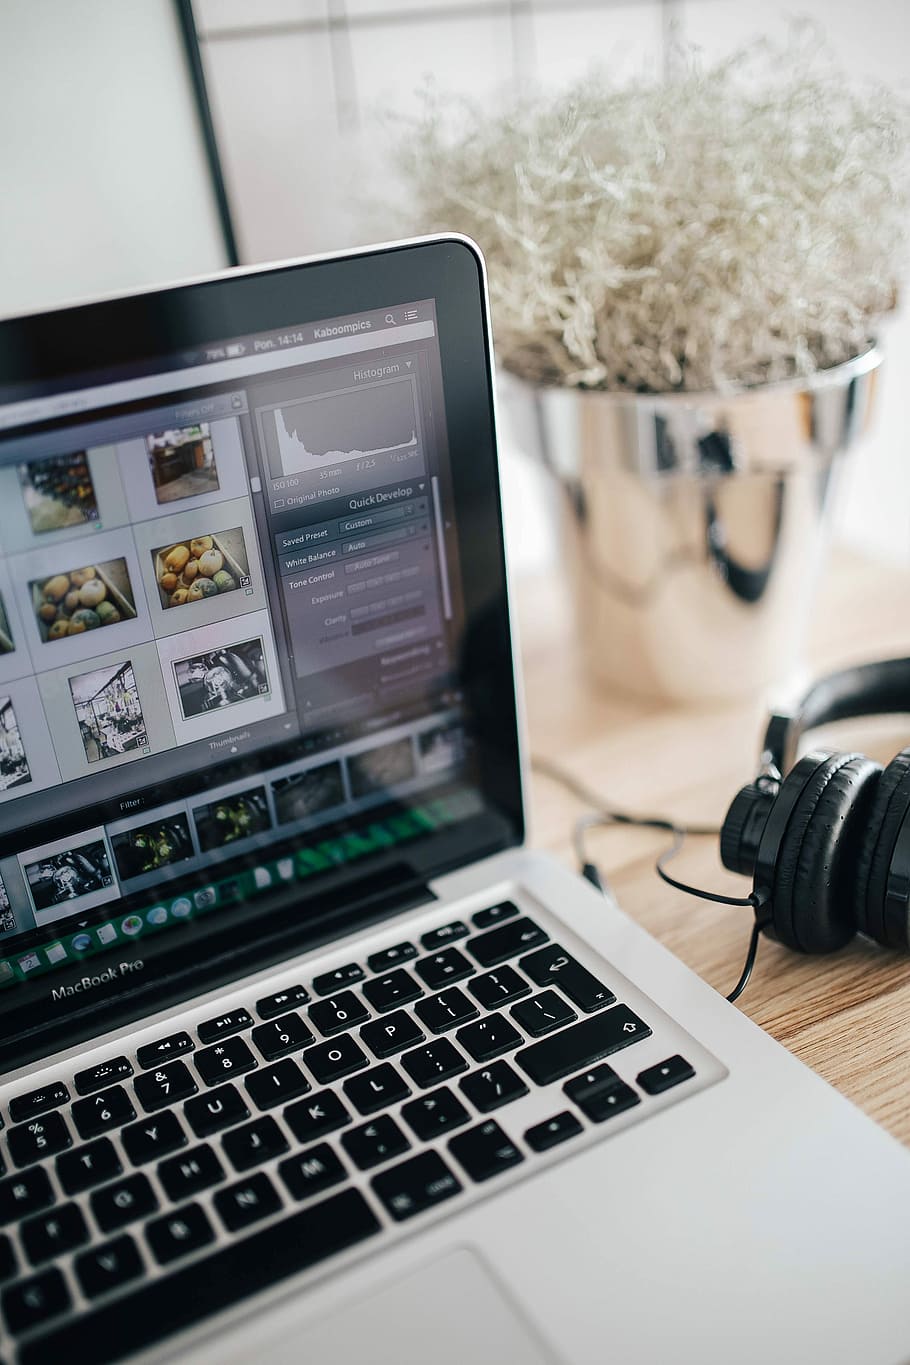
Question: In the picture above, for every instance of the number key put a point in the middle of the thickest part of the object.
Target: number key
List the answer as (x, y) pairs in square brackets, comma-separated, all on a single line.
[(337, 1013), (227, 1059), (102, 1112), (281, 1036), (167, 1085), (41, 1137)]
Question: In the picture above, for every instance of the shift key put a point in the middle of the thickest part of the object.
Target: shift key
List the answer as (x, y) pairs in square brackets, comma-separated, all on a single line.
[(574, 1049)]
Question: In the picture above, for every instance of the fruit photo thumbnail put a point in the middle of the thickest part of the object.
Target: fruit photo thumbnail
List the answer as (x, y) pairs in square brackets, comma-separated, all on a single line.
[(72, 602), (204, 566)]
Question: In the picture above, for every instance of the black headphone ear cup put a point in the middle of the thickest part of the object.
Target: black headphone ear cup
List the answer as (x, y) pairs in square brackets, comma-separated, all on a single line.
[(813, 902), (885, 818)]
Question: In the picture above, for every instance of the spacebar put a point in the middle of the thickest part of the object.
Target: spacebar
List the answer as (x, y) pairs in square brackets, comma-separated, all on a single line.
[(204, 1287), (573, 1049)]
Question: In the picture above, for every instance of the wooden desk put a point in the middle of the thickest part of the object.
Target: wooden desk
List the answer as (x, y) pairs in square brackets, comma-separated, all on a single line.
[(848, 1015)]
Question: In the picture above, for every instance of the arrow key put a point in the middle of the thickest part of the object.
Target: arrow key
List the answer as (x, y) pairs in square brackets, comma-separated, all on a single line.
[(600, 1093)]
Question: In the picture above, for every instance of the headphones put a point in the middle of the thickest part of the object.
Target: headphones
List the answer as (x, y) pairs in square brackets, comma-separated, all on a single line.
[(828, 845)]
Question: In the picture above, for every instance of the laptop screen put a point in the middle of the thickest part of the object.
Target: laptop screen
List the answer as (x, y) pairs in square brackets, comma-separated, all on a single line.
[(232, 629)]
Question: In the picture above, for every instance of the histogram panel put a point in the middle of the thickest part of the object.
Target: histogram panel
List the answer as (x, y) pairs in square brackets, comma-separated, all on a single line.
[(318, 432)]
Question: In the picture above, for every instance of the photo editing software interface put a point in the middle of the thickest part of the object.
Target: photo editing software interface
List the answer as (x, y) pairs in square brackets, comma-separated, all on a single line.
[(229, 617)]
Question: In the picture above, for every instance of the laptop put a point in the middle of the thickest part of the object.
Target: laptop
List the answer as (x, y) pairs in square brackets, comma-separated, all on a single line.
[(305, 1054)]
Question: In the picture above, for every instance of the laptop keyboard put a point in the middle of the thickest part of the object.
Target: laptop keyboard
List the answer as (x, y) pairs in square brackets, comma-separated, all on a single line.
[(147, 1192)]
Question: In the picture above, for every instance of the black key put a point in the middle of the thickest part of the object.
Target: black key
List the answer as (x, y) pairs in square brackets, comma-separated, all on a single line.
[(154, 1137), (376, 1089), (330, 1061), (36, 1102), (232, 1021), (101, 1076), (24, 1194), (221, 1108), (87, 1166), (553, 966), (384, 1037), (223, 1062), (374, 1142), (494, 1086), (121, 1203), (434, 1062), (282, 1001), (448, 933), (485, 1151), (415, 1185), (30, 1303), (489, 1037), (135, 1322), (254, 1143), (342, 976), (108, 1266), (435, 1113), (246, 1202), (185, 1175), (41, 1137), (103, 1112), (165, 1050), (552, 1131), (665, 1075), (581, 1045), (167, 1085), (277, 1084), (386, 992), (177, 1234), (8, 1265), (543, 1013), (49, 1235), (499, 987), (488, 919), (600, 1094), (445, 1010), (339, 1013), (391, 957), (508, 940), (444, 968), (281, 1036), (310, 1172), (314, 1117)]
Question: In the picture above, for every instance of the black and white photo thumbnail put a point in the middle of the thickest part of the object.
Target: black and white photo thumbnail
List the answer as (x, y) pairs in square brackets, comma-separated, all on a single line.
[(221, 677), (14, 769), (7, 643), (375, 770), (232, 818), (306, 793), (68, 876), (148, 848), (109, 711), (58, 492), (7, 918)]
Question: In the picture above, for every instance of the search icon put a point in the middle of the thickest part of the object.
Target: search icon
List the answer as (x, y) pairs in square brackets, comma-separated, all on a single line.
[(389, 317)]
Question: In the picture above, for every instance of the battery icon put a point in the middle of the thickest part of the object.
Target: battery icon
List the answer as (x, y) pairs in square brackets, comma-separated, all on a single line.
[(236, 348)]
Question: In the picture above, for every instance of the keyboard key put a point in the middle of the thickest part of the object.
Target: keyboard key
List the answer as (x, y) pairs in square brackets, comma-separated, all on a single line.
[(552, 1131), (448, 933), (308, 1173), (314, 1117), (387, 958), (489, 1037), (254, 1143), (282, 1001), (443, 969), (232, 1021), (41, 1137), (488, 919), (23, 1194), (376, 1089), (330, 1061), (281, 1036), (277, 1084), (185, 1175), (87, 1166), (499, 987), (49, 1235), (493, 1087), (445, 1010), (246, 1202), (155, 1137), (179, 1233), (8, 1264), (108, 1266), (30, 1303), (396, 988), (24, 1107), (339, 1013), (101, 1076), (221, 1108), (167, 1085), (600, 1094), (553, 966), (103, 1112), (581, 1045), (656, 1079), (508, 940), (374, 1142), (384, 1037), (165, 1050), (116, 1205), (543, 1013), (435, 1062), (342, 976), (223, 1062), (485, 1151), (435, 1113), (415, 1185)]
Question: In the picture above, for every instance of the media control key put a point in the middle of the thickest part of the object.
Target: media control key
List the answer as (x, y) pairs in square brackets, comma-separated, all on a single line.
[(232, 1021), (102, 1075), (416, 1185), (447, 933), (582, 1045), (165, 1050), (387, 958), (282, 1001), (342, 976)]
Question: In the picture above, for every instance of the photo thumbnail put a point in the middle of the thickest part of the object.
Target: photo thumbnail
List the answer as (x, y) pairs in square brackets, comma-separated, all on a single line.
[(68, 876), (14, 768), (304, 794), (109, 711), (148, 848), (7, 918), (58, 492), (440, 748), (203, 566), (73, 601), (221, 677), (7, 643), (182, 462), (232, 818), (375, 770)]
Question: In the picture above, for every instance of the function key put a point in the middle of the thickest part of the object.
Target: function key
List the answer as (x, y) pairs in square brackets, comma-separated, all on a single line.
[(153, 1137), (395, 988), (485, 1151), (102, 1112), (374, 1142), (499, 987), (227, 1059), (600, 1093), (435, 1113), (552, 1131), (271, 1005), (221, 1108), (493, 1087), (232, 1021), (41, 1137), (30, 1303), (553, 966), (36, 1102), (167, 1085), (281, 1036), (108, 1266), (416, 1185), (179, 1233), (24, 1194), (510, 939), (165, 1050), (493, 915), (87, 1166), (665, 1075), (102, 1075), (391, 957), (342, 976), (444, 968), (314, 1117), (339, 1013), (447, 933)]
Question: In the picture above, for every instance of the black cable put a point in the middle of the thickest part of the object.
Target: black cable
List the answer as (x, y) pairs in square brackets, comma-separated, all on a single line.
[(743, 981), (588, 797)]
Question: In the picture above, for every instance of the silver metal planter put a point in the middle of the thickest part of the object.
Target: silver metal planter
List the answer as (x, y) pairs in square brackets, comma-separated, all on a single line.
[(694, 524)]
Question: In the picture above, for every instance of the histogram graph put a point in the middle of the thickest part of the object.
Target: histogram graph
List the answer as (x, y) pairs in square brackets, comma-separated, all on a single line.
[(318, 432)]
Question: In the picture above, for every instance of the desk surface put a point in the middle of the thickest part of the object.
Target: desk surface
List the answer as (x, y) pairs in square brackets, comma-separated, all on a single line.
[(847, 1015)]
